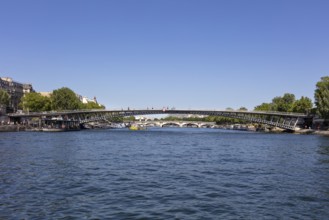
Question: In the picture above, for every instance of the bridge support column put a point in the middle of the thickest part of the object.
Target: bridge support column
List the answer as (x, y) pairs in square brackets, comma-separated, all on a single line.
[(40, 123), (296, 122)]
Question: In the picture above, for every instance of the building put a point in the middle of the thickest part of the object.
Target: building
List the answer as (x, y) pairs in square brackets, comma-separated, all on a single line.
[(46, 94), (15, 90), (142, 118), (86, 100)]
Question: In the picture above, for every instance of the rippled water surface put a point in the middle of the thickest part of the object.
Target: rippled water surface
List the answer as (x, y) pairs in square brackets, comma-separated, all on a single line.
[(169, 173)]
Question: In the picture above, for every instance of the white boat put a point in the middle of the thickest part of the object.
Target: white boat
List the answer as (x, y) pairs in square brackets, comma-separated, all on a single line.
[(53, 129)]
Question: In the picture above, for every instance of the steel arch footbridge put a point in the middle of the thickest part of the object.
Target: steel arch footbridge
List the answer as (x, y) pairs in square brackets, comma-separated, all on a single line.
[(284, 120)]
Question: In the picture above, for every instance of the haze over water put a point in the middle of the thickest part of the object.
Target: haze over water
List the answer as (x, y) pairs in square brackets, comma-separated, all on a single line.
[(163, 173)]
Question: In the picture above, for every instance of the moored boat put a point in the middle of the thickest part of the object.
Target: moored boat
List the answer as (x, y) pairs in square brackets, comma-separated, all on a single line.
[(135, 127), (53, 129)]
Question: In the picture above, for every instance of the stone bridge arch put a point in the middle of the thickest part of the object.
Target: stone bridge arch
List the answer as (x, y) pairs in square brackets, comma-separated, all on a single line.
[(190, 124), (170, 123)]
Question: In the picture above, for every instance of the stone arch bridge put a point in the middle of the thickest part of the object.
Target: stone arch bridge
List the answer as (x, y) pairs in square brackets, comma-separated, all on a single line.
[(199, 124), (284, 120)]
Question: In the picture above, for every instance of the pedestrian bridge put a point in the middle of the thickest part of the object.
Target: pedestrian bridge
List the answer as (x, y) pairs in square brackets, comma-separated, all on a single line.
[(284, 120)]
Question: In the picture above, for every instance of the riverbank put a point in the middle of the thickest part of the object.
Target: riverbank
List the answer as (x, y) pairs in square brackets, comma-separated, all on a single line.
[(311, 131), (323, 133), (16, 128), (12, 128)]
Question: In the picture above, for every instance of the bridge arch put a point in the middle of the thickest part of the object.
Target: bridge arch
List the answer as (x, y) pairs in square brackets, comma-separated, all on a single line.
[(170, 124), (148, 124), (190, 124), (206, 126)]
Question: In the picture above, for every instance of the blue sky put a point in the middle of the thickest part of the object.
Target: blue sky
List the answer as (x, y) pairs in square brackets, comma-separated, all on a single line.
[(207, 54)]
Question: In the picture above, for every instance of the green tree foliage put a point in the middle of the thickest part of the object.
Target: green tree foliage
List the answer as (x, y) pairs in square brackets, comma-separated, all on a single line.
[(218, 119), (242, 109), (287, 103), (264, 107), (210, 118), (61, 99), (172, 118), (92, 105), (225, 120), (303, 105), (35, 102), (129, 118), (4, 98), (116, 119), (65, 99), (321, 97), (284, 103)]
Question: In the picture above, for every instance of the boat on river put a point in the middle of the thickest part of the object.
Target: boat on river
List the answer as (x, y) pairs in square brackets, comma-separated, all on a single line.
[(136, 127), (53, 129)]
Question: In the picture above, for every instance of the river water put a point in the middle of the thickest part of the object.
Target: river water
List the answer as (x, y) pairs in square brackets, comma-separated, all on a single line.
[(163, 173)]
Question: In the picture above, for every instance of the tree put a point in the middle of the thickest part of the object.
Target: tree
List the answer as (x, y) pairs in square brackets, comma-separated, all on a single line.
[(210, 118), (284, 103), (225, 120), (242, 109), (303, 105), (65, 99), (92, 105), (264, 107), (35, 102), (129, 118), (4, 98), (321, 97), (116, 119)]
